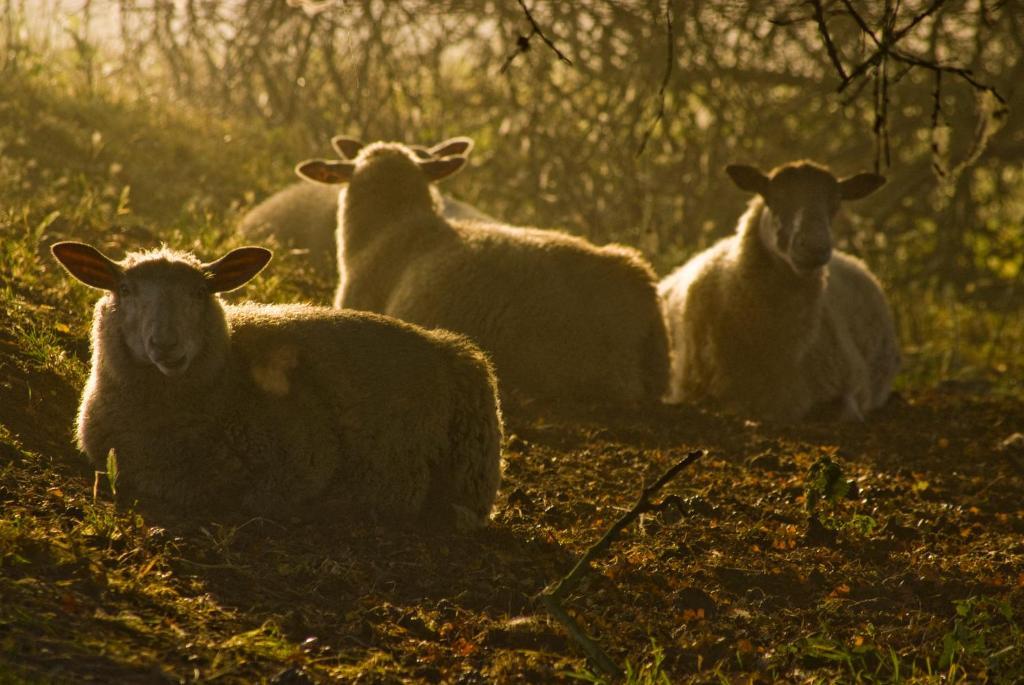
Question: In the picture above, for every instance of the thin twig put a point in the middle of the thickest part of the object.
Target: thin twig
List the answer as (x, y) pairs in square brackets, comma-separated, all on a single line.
[(589, 647), (833, 54), (964, 73), (538, 31), (234, 567), (937, 165), (878, 119), (669, 62), (523, 42), (522, 45), (883, 114), (551, 597), (642, 505), (865, 29)]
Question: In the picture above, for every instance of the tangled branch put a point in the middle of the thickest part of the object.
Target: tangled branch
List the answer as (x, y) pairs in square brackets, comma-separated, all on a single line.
[(886, 50)]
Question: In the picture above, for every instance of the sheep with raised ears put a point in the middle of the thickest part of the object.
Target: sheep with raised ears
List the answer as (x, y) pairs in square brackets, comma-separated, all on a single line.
[(450, 208), (563, 319), (278, 410), (304, 215), (773, 322)]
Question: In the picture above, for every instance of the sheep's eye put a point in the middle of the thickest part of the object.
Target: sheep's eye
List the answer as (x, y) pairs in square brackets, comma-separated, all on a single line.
[(200, 292), (124, 290)]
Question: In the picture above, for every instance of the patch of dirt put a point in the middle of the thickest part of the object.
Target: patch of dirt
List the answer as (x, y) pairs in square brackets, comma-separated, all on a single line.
[(35, 406), (732, 580)]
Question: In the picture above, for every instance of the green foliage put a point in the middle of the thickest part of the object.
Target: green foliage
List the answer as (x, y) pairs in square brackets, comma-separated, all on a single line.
[(826, 487), (984, 645), (861, 524), (862, 662), (984, 628), (266, 640), (824, 482), (649, 671)]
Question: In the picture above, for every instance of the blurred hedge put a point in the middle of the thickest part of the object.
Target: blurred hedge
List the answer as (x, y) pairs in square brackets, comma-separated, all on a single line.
[(558, 144)]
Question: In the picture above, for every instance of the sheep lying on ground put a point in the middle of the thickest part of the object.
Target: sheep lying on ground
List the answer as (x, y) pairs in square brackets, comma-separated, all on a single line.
[(278, 410), (561, 318), (774, 323), (304, 216)]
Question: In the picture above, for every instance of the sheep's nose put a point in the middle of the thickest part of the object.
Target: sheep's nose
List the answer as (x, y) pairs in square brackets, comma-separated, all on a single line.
[(814, 240), (820, 252), (811, 250), (162, 346)]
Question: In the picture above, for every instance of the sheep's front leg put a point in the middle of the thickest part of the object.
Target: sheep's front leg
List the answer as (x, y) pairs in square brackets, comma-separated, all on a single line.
[(851, 411)]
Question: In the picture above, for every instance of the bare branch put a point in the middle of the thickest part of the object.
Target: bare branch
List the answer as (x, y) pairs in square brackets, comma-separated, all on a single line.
[(886, 53), (887, 44), (589, 647), (937, 165), (669, 62), (964, 73), (538, 31), (523, 42), (819, 16), (865, 29), (522, 45)]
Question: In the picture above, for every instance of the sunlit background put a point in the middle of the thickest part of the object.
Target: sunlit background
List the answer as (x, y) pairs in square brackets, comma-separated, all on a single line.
[(244, 90)]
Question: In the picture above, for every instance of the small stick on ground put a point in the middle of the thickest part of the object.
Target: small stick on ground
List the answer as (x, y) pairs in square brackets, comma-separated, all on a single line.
[(551, 597)]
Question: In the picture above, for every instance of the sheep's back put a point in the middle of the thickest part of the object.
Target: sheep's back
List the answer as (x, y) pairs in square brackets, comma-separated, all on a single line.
[(391, 393), (558, 315), (457, 209), (304, 216), (301, 215), (357, 353)]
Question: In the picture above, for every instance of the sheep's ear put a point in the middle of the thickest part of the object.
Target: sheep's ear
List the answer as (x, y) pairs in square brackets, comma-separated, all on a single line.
[(453, 146), (347, 148), (322, 171), (88, 264), (436, 169), (748, 178), (421, 152), (236, 268), (861, 185)]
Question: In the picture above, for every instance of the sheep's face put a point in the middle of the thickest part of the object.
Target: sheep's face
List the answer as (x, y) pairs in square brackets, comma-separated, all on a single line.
[(164, 309), (164, 302), (802, 199)]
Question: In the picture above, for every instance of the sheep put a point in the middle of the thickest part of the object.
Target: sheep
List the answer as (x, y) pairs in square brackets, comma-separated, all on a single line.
[(303, 215), (278, 410), (774, 323), (563, 319)]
